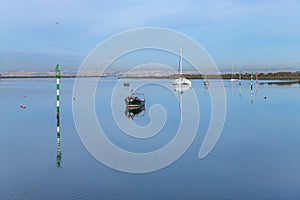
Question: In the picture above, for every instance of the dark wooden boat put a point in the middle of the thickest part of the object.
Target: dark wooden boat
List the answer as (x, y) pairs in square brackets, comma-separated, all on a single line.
[(133, 101)]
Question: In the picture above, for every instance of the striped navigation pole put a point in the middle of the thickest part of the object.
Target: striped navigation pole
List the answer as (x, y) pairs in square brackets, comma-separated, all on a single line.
[(57, 98), (58, 155), (251, 87)]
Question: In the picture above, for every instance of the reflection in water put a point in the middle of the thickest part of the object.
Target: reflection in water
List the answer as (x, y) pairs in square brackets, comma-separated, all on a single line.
[(58, 154), (281, 83), (133, 112), (251, 88), (240, 89), (182, 88), (205, 88), (256, 82), (239, 157)]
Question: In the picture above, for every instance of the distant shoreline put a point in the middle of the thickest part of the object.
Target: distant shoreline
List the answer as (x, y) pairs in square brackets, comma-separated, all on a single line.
[(246, 76), (42, 76), (292, 76)]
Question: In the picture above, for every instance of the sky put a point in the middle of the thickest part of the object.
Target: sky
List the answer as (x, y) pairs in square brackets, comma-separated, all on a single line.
[(253, 34)]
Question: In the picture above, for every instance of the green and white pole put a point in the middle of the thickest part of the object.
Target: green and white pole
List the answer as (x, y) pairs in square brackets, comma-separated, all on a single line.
[(57, 98), (251, 81), (58, 156), (251, 87)]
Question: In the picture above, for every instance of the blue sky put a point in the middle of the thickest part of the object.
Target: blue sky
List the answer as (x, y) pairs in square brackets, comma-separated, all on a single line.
[(255, 34)]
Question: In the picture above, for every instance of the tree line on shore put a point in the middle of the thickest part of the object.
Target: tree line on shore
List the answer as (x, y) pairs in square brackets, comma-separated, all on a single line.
[(243, 76), (247, 76)]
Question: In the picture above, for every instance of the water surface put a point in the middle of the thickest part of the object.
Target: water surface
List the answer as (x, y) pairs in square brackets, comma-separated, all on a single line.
[(256, 157)]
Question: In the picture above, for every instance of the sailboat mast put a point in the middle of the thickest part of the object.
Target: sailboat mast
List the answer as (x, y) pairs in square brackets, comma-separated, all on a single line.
[(180, 64), (231, 69)]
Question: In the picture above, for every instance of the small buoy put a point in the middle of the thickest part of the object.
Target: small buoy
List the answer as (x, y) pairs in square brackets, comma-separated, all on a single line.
[(22, 106), (24, 96), (265, 97)]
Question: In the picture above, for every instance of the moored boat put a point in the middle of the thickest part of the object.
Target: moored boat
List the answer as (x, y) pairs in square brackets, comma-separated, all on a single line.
[(181, 80), (133, 101)]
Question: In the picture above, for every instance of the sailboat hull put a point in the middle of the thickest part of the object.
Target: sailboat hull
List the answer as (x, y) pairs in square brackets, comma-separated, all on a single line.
[(182, 81)]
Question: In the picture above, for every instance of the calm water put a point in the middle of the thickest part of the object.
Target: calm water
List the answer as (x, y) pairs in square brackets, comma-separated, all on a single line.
[(256, 157)]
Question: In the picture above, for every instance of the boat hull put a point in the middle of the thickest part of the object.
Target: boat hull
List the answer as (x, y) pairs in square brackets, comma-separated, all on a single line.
[(182, 81), (134, 102)]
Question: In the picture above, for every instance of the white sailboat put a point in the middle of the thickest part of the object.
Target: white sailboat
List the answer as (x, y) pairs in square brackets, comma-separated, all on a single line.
[(232, 78), (181, 80), (206, 82)]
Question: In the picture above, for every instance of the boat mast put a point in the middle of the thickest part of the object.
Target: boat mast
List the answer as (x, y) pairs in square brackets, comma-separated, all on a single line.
[(180, 63), (231, 69)]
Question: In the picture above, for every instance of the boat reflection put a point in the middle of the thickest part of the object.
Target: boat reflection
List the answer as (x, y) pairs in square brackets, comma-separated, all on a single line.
[(134, 112), (182, 88)]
